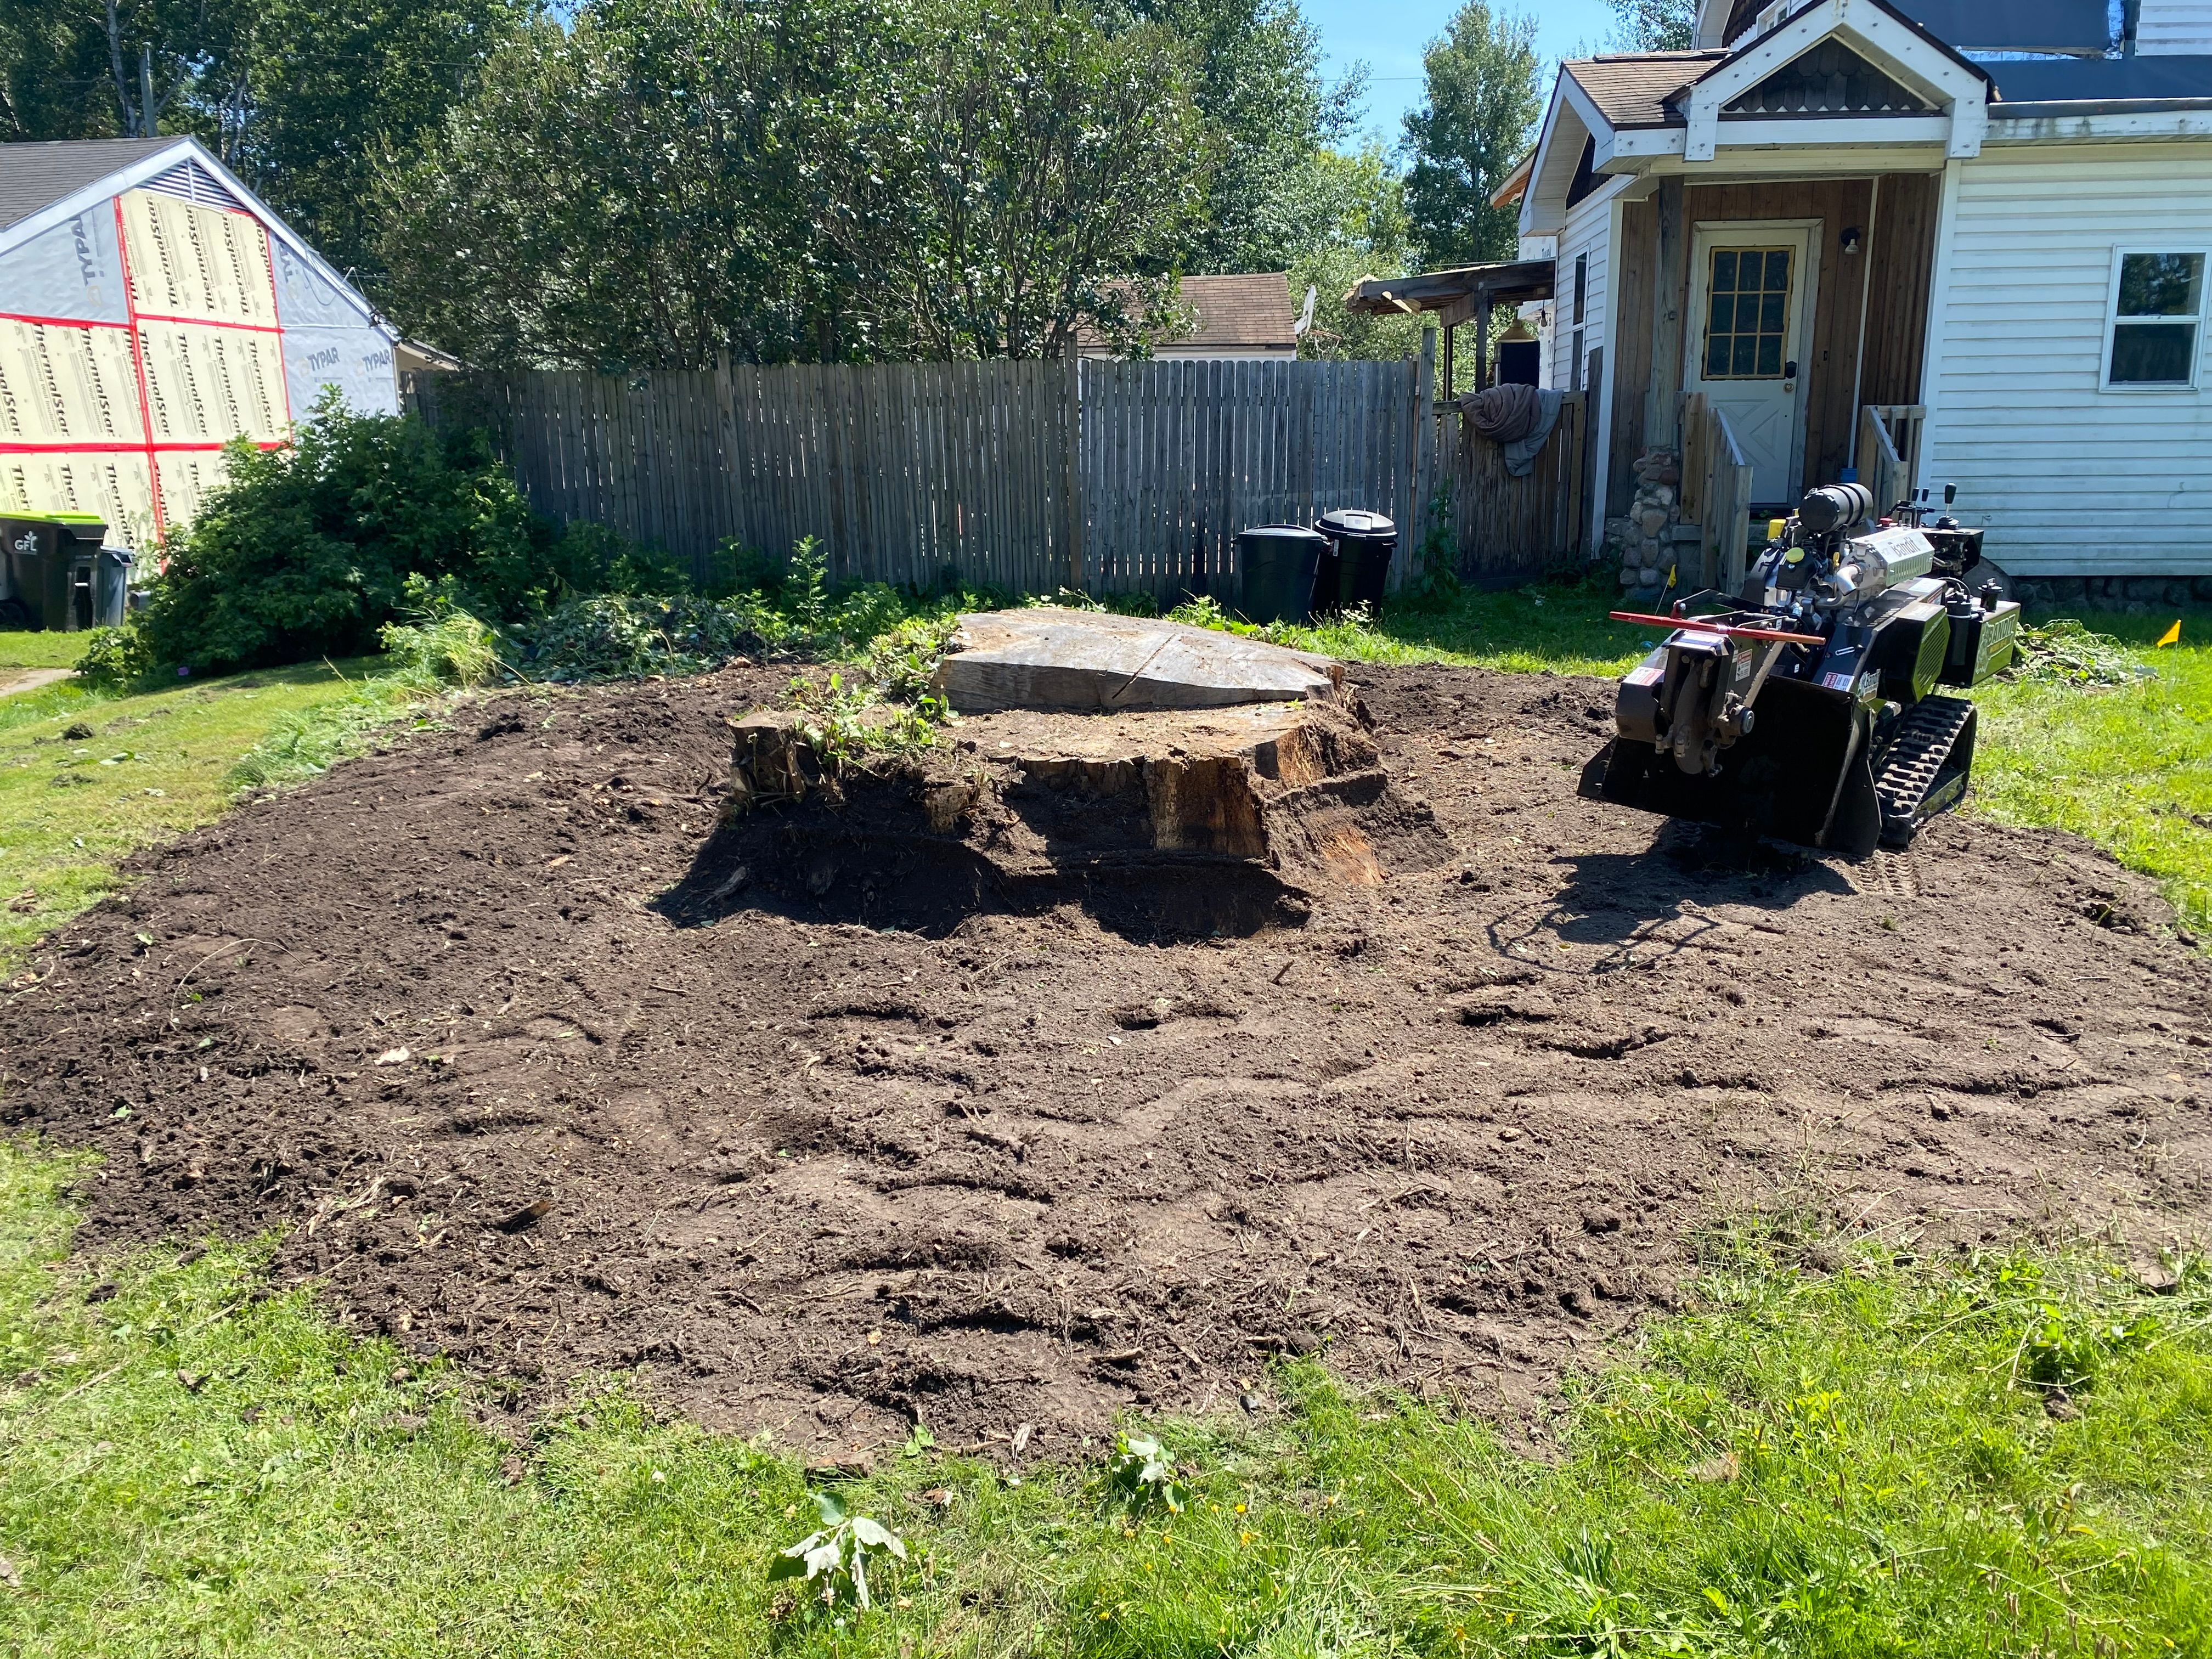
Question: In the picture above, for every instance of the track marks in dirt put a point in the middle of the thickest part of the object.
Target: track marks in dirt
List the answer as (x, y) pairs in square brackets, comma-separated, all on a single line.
[(820, 1179)]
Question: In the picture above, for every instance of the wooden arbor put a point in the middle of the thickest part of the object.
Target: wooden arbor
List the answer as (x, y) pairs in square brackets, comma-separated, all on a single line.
[(1467, 295)]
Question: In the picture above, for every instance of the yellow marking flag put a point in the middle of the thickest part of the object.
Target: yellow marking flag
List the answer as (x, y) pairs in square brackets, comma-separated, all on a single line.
[(2172, 635)]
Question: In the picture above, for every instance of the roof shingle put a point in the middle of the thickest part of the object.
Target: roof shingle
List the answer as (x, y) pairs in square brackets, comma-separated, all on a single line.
[(33, 176), (1631, 89)]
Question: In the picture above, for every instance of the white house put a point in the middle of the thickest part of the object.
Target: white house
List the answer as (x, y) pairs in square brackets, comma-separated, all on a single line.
[(152, 310), (1975, 235)]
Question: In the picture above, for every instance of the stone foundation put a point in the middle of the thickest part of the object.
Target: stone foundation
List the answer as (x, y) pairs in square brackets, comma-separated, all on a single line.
[(2129, 595), (1647, 543)]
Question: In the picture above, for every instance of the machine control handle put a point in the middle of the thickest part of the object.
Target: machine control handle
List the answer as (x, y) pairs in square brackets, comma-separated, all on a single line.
[(1697, 625)]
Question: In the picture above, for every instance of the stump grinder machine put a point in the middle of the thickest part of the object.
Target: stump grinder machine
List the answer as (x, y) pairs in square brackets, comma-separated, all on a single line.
[(1805, 708)]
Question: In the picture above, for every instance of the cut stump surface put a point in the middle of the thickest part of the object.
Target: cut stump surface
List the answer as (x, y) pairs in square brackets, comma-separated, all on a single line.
[(1090, 661)]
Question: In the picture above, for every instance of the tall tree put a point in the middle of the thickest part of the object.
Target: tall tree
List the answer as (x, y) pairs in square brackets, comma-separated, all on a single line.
[(320, 92), (1364, 200), (1028, 174), (1473, 125), (645, 187), (1655, 25), (1258, 86)]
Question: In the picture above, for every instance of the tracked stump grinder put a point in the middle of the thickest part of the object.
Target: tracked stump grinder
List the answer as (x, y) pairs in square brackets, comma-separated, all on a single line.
[(1806, 708)]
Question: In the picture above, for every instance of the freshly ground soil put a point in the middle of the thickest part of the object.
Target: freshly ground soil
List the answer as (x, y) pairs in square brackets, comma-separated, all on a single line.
[(487, 1025)]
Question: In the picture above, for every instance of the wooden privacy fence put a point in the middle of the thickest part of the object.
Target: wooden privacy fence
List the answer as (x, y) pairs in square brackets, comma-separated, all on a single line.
[(1715, 493), (1027, 476), (1509, 529)]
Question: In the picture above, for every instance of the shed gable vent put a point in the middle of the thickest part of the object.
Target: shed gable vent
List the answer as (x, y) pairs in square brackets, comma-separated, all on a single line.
[(1830, 80), (188, 181)]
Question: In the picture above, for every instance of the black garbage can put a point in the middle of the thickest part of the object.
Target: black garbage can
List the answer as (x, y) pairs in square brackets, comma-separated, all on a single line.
[(49, 575), (1362, 545), (1275, 568)]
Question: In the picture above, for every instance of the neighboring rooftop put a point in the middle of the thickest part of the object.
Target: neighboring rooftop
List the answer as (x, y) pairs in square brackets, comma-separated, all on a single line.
[(1244, 314), (34, 176)]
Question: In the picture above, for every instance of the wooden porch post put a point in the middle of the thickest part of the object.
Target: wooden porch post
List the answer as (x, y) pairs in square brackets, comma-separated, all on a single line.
[(1662, 414)]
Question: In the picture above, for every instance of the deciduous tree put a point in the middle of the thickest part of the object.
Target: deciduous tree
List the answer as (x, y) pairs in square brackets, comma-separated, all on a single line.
[(1473, 124)]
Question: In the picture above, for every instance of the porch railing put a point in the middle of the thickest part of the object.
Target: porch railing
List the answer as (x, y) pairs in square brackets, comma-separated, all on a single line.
[(1716, 493), (1889, 450)]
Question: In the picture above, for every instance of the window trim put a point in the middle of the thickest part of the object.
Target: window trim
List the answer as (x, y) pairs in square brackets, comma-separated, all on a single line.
[(2113, 319)]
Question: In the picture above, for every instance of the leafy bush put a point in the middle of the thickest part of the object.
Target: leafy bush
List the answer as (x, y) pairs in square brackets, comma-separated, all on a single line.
[(115, 658), (306, 551)]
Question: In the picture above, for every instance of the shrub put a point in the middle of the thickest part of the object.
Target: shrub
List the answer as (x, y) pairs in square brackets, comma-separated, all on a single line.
[(306, 551), (115, 658)]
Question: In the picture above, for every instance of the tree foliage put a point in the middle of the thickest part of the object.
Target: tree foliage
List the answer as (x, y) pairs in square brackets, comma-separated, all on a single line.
[(1367, 234), (302, 98), (1024, 174), (1473, 125), (1655, 25)]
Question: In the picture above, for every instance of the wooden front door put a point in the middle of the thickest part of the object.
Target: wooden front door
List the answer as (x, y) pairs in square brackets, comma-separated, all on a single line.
[(1751, 306)]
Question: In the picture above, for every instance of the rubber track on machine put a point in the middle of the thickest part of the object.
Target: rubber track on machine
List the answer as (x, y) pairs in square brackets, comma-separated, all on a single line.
[(1925, 737)]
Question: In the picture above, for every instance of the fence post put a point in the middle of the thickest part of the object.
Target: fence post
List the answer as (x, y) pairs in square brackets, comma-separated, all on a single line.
[(1073, 492), (1422, 426)]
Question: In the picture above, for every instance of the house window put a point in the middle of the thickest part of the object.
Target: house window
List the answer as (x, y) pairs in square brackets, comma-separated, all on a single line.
[(2158, 311), (1747, 322), (1581, 304)]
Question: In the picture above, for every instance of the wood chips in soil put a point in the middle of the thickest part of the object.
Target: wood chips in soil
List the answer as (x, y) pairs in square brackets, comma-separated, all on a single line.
[(435, 1017)]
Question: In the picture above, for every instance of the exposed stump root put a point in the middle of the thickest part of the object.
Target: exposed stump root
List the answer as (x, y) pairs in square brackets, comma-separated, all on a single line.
[(1222, 820)]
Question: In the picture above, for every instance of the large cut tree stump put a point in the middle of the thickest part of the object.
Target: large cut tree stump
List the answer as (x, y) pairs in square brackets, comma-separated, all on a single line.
[(1093, 662)]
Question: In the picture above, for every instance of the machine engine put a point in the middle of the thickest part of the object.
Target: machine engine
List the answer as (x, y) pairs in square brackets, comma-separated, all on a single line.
[(1805, 706)]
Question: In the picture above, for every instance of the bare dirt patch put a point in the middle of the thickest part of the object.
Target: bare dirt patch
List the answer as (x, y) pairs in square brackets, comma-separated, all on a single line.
[(492, 1025)]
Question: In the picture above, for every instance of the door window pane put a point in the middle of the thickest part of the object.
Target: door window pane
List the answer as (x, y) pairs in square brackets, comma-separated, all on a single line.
[(1747, 319)]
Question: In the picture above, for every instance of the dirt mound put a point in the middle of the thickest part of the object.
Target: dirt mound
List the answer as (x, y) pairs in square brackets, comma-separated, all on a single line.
[(463, 1019)]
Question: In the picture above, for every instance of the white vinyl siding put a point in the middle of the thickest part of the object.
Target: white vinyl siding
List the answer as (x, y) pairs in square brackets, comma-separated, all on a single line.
[(2165, 27), (1585, 234), (2072, 477)]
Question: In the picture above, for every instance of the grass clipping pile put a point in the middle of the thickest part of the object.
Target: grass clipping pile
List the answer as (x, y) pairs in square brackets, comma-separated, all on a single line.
[(1012, 1082)]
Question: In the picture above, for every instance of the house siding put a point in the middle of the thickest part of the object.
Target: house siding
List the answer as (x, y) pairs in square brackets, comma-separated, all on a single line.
[(2070, 479), (1584, 233), (2168, 27)]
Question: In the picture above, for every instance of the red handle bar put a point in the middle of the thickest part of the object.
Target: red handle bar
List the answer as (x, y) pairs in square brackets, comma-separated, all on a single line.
[(1733, 630)]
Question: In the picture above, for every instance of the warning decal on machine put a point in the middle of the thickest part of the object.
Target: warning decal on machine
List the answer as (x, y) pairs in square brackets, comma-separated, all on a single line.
[(1646, 675), (1838, 682)]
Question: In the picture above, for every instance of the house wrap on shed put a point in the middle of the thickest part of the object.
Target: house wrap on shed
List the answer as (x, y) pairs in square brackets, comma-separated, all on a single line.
[(152, 310)]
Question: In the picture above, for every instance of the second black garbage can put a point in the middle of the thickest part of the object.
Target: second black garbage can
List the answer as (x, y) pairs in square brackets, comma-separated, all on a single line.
[(1275, 568), (1362, 545)]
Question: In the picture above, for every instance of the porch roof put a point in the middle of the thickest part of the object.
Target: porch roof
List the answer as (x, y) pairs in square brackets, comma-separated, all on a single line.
[(1463, 290), (1631, 89)]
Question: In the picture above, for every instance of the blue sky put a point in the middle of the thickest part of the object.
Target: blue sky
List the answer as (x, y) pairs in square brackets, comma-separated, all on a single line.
[(1390, 34)]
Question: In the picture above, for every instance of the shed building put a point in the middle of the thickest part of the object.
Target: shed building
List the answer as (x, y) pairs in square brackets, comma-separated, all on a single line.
[(151, 310)]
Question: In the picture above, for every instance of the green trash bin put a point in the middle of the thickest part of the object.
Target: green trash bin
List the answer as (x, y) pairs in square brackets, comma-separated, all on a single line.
[(1275, 568)]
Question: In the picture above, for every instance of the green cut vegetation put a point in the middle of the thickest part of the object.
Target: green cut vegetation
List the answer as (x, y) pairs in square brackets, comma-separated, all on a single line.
[(2127, 767), (1871, 1455)]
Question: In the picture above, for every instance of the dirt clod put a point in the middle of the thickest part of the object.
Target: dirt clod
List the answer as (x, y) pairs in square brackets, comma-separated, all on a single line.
[(1059, 1156)]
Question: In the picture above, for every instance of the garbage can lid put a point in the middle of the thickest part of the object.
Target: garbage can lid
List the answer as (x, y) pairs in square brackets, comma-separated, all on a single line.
[(1285, 532), (1354, 521)]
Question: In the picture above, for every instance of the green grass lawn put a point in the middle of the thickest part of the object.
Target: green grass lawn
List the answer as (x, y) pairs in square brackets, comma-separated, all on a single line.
[(23, 648), (86, 780), (2129, 768), (1867, 1458)]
